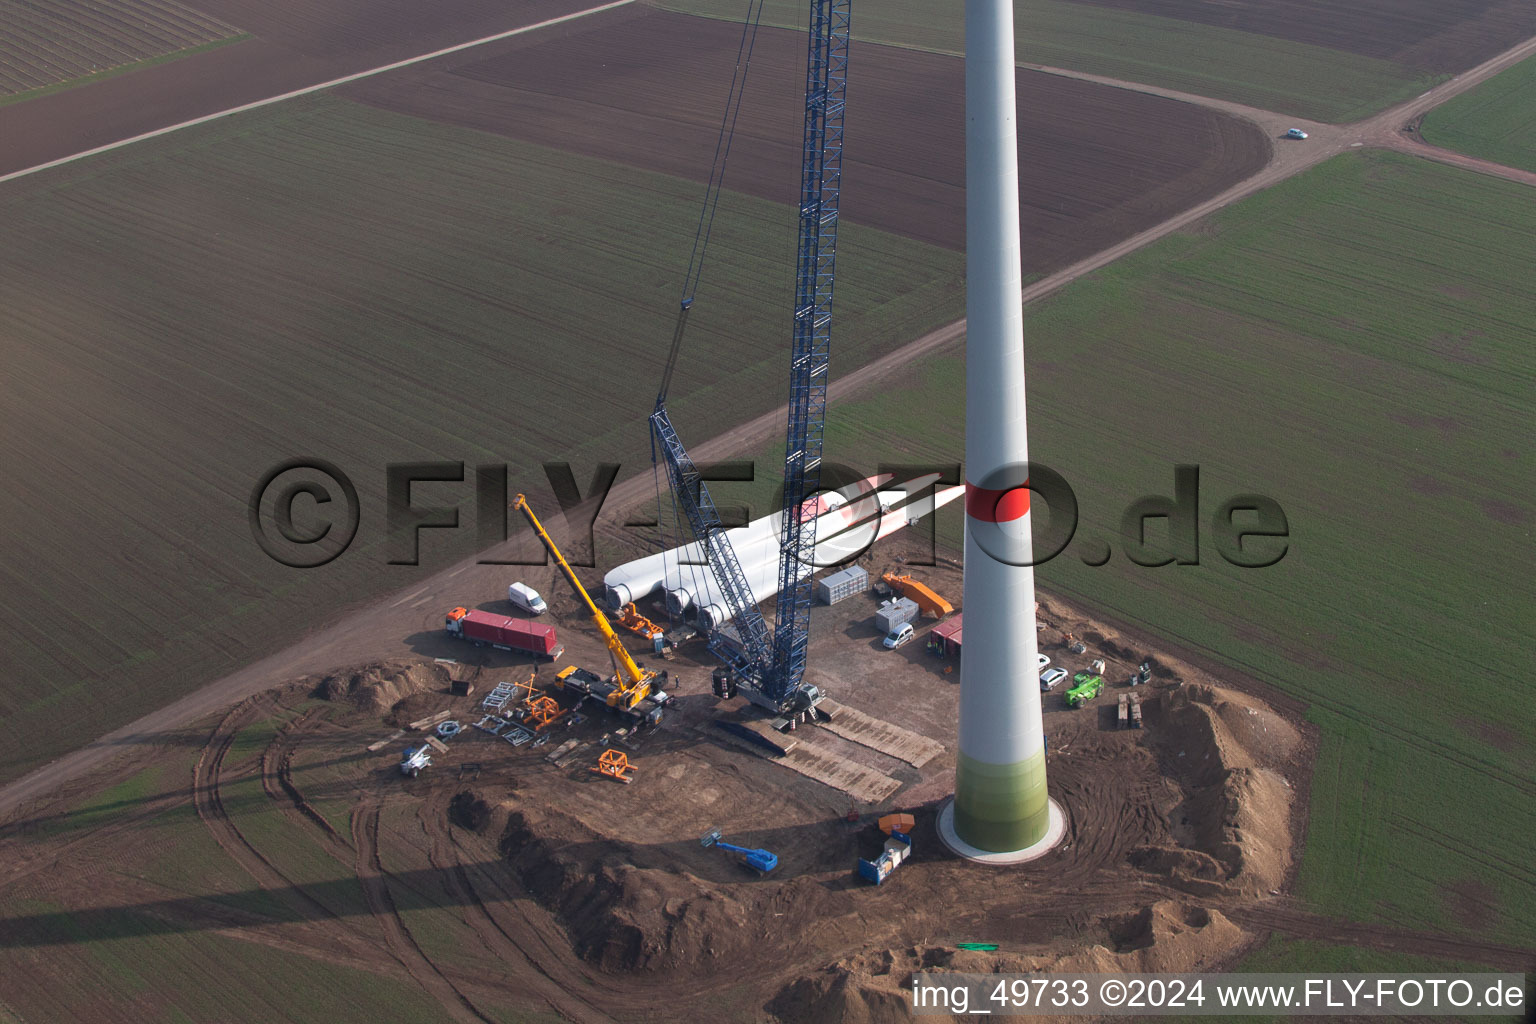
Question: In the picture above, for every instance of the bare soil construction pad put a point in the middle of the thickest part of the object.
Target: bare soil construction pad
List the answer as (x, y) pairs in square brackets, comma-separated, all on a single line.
[(553, 884), (645, 87)]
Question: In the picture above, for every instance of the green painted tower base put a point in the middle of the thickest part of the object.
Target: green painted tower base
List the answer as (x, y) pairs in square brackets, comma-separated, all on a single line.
[(1001, 807), (1056, 827)]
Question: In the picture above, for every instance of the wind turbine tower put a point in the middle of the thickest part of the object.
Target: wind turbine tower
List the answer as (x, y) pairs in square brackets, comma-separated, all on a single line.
[(1000, 812)]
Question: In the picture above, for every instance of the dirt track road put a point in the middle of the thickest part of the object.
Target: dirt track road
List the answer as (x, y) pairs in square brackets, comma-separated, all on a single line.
[(19, 131), (375, 631)]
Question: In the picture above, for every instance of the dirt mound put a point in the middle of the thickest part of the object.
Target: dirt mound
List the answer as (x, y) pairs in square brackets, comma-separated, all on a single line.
[(1233, 826), (622, 916), (837, 996), (1164, 936), (381, 686)]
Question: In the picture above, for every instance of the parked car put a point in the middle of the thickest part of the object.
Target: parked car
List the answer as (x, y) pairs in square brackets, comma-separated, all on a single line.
[(1051, 677), (525, 597), (1295, 133), (898, 636)]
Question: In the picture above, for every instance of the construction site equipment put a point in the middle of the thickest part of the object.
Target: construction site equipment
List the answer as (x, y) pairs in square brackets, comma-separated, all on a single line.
[(1085, 687), (897, 823), (977, 947), (770, 664), (461, 688), (629, 617), (1135, 711), (843, 584), (895, 613), (1124, 713), (449, 729), (589, 685), (503, 632), (760, 861), (542, 712), (633, 692), (498, 697), (437, 744), (505, 693), (615, 765), (929, 603), (517, 735), (378, 745), (562, 750), (430, 720), (1096, 665), (492, 724), (897, 849), (470, 768), (415, 759), (944, 639)]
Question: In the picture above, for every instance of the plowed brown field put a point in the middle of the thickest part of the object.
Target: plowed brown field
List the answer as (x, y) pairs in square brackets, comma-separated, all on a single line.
[(645, 87), (295, 45)]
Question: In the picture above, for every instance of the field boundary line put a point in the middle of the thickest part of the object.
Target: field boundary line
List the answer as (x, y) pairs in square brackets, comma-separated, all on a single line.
[(318, 87)]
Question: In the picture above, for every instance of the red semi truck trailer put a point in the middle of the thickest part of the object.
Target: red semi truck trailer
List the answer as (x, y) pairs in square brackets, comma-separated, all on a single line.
[(481, 628)]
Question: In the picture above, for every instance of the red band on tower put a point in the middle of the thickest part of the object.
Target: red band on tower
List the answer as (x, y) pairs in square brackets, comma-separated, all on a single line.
[(996, 506)]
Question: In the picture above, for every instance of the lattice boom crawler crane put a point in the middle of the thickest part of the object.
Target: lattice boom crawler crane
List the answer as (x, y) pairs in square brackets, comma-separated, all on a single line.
[(769, 665)]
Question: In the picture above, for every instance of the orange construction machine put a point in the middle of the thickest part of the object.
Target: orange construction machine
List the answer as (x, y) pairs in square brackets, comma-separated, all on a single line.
[(615, 765), (630, 618), (542, 713), (928, 602)]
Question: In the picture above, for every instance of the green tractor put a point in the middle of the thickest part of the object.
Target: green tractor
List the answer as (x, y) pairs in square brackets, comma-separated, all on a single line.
[(1085, 687)]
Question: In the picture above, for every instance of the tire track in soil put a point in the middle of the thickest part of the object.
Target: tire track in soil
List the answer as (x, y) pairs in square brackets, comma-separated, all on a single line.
[(371, 875), (207, 801), (443, 852), (277, 781)]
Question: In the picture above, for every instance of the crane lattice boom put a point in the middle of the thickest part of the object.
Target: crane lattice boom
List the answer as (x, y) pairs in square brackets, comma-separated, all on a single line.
[(771, 665)]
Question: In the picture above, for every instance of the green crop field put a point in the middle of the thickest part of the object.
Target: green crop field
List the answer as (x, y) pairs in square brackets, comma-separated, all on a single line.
[(139, 952), (155, 919), (189, 976), (1495, 121), (1258, 70), (1356, 344), (55, 43), (326, 279)]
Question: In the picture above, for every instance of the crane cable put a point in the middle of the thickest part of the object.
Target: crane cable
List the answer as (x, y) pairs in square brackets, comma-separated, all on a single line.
[(716, 182), (673, 537)]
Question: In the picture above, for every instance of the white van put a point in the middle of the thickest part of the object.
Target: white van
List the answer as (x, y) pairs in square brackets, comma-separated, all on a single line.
[(525, 597), (898, 636)]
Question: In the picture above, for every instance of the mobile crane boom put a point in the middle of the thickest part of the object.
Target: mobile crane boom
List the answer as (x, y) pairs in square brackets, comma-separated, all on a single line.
[(634, 681)]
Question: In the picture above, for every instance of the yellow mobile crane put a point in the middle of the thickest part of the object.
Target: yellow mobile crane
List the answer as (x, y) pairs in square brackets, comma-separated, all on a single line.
[(632, 691)]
